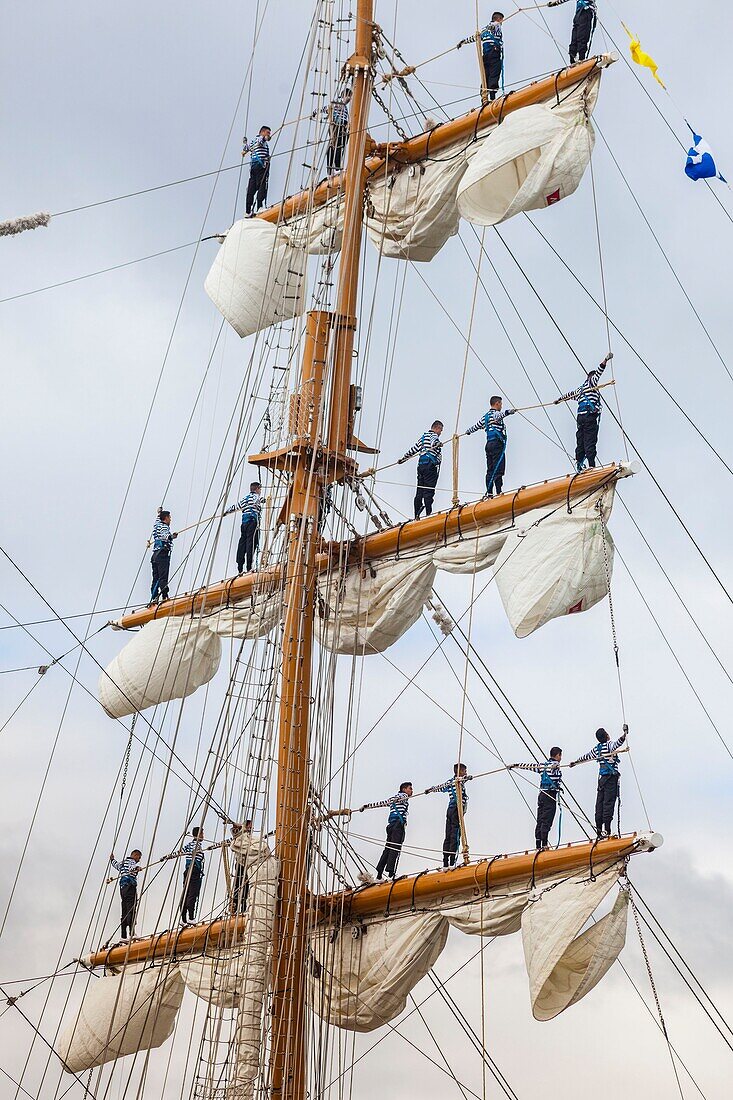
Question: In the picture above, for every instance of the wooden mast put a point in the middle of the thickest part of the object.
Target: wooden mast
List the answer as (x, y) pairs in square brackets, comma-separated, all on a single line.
[(288, 1050)]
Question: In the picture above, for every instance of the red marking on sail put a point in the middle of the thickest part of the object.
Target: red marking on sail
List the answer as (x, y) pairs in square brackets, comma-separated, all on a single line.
[(576, 607), (553, 197)]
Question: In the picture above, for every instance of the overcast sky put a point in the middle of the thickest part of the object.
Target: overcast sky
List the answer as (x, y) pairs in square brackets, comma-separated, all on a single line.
[(103, 101)]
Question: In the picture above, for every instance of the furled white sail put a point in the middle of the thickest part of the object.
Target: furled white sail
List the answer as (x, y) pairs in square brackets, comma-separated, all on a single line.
[(121, 1014), (217, 976), (252, 618), (168, 659), (262, 873), (535, 158), (258, 277), (369, 609), (563, 966), (361, 978), (412, 212), (319, 231), (555, 566)]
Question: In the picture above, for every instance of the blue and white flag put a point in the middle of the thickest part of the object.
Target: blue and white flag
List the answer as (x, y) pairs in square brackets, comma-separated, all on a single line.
[(700, 160)]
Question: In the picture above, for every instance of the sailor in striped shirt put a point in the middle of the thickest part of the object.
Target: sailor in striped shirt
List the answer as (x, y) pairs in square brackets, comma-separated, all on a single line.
[(584, 23), (161, 539), (429, 448), (396, 827), (549, 795), (249, 539), (259, 169), (452, 819), (589, 415), (128, 870), (192, 875), (492, 51), (338, 131), (609, 777), (492, 422)]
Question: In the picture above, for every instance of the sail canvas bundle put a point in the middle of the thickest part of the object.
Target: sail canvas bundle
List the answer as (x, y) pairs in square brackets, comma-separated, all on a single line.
[(216, 976), (319, 231), (122, 1014), (535, 158), (361, 980), (168, 659), (554, 563), (258, 278)]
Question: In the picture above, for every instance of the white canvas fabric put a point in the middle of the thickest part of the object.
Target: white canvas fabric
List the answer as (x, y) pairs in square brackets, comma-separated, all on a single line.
[(121, 1014), (257, 278), (168, 659), (555, 567), (536, 157), (217, 976), (413, 212), (475, 551), (563, 966), (371, 608), (262, 873), (252, 618), (319, 232)]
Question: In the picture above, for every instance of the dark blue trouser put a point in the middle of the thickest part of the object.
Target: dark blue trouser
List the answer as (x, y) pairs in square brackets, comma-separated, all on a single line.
[(427, 479), (249, 541), (495, 464), (392, 849), (493, 61), (586, 438), (161, 563), (584, 24)]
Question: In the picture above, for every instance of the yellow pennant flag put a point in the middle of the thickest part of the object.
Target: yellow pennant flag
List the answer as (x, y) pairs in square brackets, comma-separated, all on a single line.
[(641, 57)]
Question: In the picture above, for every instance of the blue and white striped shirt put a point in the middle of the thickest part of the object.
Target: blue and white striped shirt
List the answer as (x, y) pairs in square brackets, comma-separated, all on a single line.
[(161, 536), (339, 113), (128, 869), (550, 773), (449, 788), (194, 855), (587, 396), (492, 423), (398, 806), (259, 151), (251, 507), (428, 447), (603, 752), (492, 36)]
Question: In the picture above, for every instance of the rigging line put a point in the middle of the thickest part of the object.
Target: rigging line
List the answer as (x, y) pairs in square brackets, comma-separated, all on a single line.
[(616, 329), (679, 664), (677, 951), (42, 622), (654, 991), (440, 1050), (667, 260), (672, 585)]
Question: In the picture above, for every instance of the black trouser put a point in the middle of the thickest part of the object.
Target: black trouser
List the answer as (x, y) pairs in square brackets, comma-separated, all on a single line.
[(240, 890), (493, 60), (192, 879), (161, 563), (546, 807), (452, 836), (249, 542), (495, 464), (257, 186), (606, 802), (427, 479), (392, 849), (586, 438), (128, 897), (583, 26), (339, 136)]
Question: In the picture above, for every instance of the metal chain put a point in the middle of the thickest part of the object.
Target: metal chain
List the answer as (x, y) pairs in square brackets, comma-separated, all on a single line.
[(389, 114), (607, 567), (128, 751)]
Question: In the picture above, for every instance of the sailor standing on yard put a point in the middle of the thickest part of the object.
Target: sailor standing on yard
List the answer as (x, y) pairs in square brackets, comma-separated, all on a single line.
[(452, 818), (396, 827), (429, 448), (492, 422), (584, 23), (249, 539), (193, 875), (161, 540), (609, 777), (338, 130), (259, 170), (589, 415), (129, 869), (549, 796), (492, 51)]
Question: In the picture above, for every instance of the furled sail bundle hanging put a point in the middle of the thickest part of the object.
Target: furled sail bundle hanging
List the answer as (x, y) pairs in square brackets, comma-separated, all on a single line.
[(535, 158), (320, 230), (122, 1014), (361, 978), (554, 563), (258, 277), (168, 659)]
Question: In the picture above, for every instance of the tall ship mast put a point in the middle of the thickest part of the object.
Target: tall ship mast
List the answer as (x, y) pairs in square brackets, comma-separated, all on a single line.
[(302, 947)]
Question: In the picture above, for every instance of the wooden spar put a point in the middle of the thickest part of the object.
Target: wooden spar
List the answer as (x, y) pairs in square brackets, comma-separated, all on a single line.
[(440, 137), (372, 900), (417, 532)]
